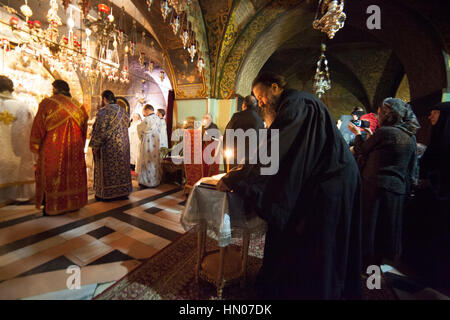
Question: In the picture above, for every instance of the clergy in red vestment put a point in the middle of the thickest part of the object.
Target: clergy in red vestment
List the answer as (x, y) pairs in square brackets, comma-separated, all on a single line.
[(58, 136)]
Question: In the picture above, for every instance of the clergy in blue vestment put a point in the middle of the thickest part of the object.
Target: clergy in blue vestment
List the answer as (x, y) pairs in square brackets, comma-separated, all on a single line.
[(111, 148)]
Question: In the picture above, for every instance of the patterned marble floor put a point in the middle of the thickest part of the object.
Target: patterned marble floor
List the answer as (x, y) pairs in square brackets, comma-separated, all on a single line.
[(106, 240)]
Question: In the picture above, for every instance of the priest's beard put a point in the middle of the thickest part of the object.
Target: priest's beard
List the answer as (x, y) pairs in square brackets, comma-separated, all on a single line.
[(268, 112)]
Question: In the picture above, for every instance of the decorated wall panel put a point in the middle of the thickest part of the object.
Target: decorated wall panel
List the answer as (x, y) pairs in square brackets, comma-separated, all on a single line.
[(216, 16)]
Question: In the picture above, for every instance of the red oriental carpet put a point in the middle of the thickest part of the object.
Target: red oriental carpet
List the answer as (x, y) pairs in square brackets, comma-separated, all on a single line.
[(169, 275)]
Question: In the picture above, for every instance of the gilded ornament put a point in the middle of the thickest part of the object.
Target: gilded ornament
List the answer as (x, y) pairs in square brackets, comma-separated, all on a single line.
[(7, 118)]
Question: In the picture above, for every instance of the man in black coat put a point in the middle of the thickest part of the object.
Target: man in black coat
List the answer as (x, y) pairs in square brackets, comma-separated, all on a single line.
[(246, 119), (311, 203)]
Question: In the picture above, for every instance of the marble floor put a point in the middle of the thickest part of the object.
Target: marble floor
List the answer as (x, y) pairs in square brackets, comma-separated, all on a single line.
[(106, 240)]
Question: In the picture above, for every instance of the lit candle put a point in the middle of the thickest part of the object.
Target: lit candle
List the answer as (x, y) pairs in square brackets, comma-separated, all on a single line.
[(228, 155)]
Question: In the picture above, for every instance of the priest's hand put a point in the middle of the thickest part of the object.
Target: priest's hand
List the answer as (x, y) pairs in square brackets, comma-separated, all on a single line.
[(221, 186)]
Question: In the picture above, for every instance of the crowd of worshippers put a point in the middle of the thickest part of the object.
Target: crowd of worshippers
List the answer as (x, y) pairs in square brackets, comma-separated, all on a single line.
[(332, 209), (57, 137), (335, 208)]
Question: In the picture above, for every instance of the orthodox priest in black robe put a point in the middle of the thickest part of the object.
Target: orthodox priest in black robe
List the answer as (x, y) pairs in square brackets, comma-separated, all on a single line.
[(311, 205)]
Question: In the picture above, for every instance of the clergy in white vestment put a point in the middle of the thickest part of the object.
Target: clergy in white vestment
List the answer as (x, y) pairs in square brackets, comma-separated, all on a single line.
[(164, 142), (149, 165), (135, 142), (16, 159)]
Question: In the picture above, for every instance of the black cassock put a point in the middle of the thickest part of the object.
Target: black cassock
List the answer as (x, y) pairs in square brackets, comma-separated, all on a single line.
[(311, 205)]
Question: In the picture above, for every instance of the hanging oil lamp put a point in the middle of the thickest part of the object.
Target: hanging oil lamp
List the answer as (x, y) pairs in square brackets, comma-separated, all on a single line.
[(176, 25), (185, 38), (200, 64), (165, 9), (192, 51)]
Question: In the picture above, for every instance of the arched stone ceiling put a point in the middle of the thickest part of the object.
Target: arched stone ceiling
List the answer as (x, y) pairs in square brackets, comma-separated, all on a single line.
[(232, 33), (411, 37), (302, 67), (252, 46), (360, 67), (289, 24), (389, 82), (233, 21), (436, 12), (403, 90)]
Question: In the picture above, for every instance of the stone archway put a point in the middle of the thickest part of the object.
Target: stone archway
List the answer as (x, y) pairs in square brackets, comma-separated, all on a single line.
[(416, 45)]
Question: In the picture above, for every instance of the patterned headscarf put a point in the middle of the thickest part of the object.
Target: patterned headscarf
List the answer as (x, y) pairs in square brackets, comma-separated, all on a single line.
[(408, 122)]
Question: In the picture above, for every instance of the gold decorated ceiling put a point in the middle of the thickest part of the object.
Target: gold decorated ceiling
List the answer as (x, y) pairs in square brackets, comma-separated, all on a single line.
[(228, 31), (225, 30)]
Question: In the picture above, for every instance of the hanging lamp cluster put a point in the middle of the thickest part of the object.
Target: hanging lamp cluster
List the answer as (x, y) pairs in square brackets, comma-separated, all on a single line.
[(330, 18)]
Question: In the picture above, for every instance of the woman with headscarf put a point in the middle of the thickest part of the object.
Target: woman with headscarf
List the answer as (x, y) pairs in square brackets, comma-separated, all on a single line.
[(428, 240), (387, 174), (435, 162)]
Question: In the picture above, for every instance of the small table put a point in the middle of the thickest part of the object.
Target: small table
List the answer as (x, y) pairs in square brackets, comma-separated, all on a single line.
[(207, 209)]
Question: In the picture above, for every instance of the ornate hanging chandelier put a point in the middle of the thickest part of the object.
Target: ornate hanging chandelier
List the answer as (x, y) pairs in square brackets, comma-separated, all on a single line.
[(104, 26), (97, 54), (54, 21), (322, 81), (109, 58), (332, 19)]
